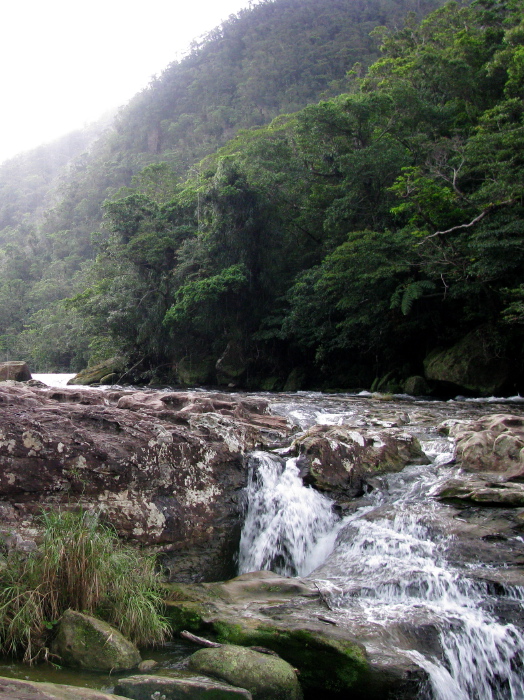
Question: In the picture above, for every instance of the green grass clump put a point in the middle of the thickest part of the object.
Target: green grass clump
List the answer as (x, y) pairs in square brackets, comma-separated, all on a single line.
[(83, 565)]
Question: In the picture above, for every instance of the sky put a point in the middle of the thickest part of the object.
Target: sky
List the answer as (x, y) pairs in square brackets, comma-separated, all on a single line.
[(64, 63)]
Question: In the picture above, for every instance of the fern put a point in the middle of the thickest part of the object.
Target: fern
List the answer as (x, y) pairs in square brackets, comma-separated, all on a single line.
[(405, 296)]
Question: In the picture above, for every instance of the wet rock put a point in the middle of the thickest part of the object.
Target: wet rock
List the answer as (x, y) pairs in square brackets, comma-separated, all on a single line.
[(232, 365), (17, 371), (492, 443), (295, 380), (482, 492), (11, 689), (338, 459), (37, 383), (85, 642), (195, 371), (266, 677), (109, 379), (147, 665), (183, 685), (288, 616), (165, 468)]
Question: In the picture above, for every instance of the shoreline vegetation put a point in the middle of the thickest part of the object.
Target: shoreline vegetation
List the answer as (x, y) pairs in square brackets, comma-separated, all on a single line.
[(80, 564)]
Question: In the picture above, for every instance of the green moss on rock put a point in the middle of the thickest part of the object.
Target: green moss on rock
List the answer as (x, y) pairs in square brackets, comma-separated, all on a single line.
[(95, 374), (185, 615), (84, 642), (266, 677), (324, 663)]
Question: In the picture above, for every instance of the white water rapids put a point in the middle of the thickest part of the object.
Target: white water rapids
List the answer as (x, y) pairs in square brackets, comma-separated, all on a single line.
[(288, 528), (386, 568)]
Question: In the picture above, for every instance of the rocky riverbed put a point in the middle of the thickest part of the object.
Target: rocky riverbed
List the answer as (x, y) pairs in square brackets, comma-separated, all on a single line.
[(426, 507)]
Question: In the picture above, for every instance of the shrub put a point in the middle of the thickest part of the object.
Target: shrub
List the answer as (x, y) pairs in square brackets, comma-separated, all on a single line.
[(81, 564)]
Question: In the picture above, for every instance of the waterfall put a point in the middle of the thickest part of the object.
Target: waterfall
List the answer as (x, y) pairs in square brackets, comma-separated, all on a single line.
[(386, 566), (289, 528)]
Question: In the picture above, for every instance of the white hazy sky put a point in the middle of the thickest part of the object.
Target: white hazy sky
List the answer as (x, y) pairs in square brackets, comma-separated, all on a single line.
[(63, 63)]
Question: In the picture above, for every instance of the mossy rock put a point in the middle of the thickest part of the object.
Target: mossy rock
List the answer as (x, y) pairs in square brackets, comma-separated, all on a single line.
[(110, 379), (195, 371), (324, 662), (475, 363), (266, 677), (95, 374), (85, 642), (186, 615), (16, 689), (270, 384), (416, 386), (296, 379)]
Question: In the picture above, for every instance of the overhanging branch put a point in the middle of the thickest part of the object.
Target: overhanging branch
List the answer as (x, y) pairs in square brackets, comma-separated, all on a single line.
[(474, 221)]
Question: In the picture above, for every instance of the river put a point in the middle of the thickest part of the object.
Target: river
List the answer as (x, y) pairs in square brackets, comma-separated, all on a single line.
[(386, 567), (390, 565)]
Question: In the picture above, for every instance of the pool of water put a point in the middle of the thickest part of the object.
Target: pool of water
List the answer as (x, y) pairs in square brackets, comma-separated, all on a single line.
[(169, 657)]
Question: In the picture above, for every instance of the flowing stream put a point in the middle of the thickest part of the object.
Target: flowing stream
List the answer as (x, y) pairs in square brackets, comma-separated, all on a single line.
[(390, 568), (386, 568)]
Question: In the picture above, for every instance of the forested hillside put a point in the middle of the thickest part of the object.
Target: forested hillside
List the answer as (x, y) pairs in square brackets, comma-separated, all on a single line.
[(275, 57), (341, 243)]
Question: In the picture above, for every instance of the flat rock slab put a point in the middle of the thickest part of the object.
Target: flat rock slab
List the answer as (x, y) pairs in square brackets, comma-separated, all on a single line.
[(185, 687), (13, 689), (482, 492)]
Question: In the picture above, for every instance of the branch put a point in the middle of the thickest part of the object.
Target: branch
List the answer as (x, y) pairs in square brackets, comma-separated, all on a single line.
[(474, 221), (199, 640)]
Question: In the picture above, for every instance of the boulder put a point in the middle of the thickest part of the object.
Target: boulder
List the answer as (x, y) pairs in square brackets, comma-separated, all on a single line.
[(15, 689), (110, 379), (17, 371), (416, 386), (474, 363), (492, 443), (165, 468), (147, 665), (94, 375), (182, 686), (85, 642), (231, 366), (338, 459), (295, 380), (266, 677)]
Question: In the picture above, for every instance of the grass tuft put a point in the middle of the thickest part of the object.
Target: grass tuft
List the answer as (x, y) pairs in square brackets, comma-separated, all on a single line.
[(83, 565)]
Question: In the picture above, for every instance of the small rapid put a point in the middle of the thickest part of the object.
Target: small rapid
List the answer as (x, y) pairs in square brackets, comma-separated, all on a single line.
[(288, 528), (385, 569)]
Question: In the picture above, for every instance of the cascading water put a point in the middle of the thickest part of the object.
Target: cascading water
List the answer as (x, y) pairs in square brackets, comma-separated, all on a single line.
[(288, 528), (389, 570)]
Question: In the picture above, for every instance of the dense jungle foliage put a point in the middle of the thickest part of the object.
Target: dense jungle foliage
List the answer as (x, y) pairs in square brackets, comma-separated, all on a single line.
[(341, 242), (277, 56)]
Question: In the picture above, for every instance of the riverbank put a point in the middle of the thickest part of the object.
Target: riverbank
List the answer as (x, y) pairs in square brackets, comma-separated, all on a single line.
[(385, 519)]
